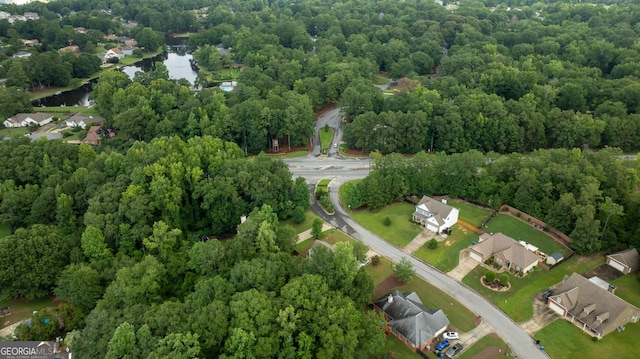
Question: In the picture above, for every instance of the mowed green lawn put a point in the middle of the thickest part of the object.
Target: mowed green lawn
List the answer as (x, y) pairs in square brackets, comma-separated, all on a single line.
[(325, 138), (563, 340), (628, 288), (309, 216), (469, 213), (447, 255), (491, 340), (401, 231), (22, 309), (399, 349), (381, 271), (521, 231), (518, 301)]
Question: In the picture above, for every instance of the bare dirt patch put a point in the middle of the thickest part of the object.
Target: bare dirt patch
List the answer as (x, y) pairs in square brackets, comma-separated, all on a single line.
[(386, 285), (605, 272)]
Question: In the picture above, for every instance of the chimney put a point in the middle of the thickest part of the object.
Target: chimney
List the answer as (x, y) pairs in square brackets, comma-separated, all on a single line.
[(444, 200), (390, 299)]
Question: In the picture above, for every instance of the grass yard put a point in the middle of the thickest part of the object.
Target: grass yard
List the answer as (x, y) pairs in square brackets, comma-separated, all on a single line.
[(491, 340), (469, 213), (446, 256), (628, 288), (303, 246), (294, 154), (432, 297), (380, 80), (61, 112), (517, 302), (401, 231), (399, 349), (225, 74), (22, 309), (380, 272), (325, 138), (309, 216), (563, 340), (522, 231), (4, 230), (13, 132)]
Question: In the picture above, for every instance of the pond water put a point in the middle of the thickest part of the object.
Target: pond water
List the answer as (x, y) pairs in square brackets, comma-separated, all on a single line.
[(177, 60)]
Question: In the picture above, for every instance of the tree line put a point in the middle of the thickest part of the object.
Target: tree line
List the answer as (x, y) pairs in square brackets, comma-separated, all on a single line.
[(590, 196)]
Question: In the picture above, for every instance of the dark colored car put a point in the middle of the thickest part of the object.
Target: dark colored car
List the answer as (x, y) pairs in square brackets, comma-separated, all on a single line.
[(454, 350), (443, 344), (547, 294)]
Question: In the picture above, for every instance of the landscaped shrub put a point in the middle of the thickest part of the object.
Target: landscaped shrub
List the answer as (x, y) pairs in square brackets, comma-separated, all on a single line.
[(386, 221), (298, 215), (504, 279), (489, 261), (326, 127), (432, 244), (325, 202), (490, 276), (375, 260)]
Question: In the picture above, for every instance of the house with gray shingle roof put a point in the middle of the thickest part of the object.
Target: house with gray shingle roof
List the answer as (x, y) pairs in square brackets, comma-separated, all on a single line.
[(626, 261), (26, 119), (409, 320), (590, 307), (436, 216), (505, 251)]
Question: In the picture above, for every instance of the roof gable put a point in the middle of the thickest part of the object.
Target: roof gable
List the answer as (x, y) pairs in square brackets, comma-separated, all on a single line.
[(629, 257), (498, 243), (435, 207)]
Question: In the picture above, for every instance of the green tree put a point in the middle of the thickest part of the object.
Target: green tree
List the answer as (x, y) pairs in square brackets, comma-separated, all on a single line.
[(316, 228), (177, 345), (122, 343), (432, 244), (504, 279), (93, 244), (404, 270), (79, 285), (490, 276)]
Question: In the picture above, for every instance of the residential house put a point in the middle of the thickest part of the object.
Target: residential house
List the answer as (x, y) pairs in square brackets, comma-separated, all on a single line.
[(626, 261), (505, 251), (110, 37), (80, 30), (127, 50), (410, 321), (436, 216), (80, 120), (30, 43), (21, 55), (317, 243), (93, 136), (48, 135), (595, 310), (26, 119), (31, 15), (112, 53), (130, 42), (97, 133), (4, 15), (73, 48)]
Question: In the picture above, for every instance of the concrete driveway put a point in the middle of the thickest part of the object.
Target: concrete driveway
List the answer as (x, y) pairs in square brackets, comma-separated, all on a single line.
[(465, 265), (542, 316)]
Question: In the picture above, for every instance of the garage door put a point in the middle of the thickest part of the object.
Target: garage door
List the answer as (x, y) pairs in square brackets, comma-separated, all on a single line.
[(475, 256), (556, 308), (617, 266), (432, 228)]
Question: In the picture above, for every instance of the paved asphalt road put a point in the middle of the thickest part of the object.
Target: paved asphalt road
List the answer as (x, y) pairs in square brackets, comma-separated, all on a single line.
[(342, 170)]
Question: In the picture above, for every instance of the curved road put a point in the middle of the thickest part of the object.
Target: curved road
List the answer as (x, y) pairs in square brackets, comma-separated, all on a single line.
[(343, 170)]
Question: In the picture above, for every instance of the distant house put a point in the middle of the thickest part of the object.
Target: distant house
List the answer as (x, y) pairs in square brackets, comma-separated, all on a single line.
[(626, 261), (112, 53), (30, 43), (228, 86), (505, 251), (26, 119), (554, 258), (97, 133), (317, 243), (80, 120), (73, 48), (130, 42), (48, 135), (593, 309), (21, 55), (410, 321), (436, 216), (128, 50), (110, 37), (80, 30)]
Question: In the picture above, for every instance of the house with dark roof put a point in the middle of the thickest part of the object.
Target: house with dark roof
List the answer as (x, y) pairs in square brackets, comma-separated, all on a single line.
[(409, 320), (590, 307), (505, 251), (434, 215), (626, 261)]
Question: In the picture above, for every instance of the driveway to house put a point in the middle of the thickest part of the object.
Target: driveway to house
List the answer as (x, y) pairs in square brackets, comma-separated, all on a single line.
[(465, 265), (516, 338)]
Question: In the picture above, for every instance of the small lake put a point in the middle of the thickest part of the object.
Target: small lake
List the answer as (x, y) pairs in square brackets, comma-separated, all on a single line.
[(177, 60)]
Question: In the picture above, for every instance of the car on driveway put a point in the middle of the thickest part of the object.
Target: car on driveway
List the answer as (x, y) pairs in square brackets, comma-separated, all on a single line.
[(450, 335), (453, 350), (443, 344)]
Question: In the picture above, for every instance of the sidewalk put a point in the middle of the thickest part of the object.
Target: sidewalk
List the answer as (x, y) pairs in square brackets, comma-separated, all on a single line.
[(307, 234)]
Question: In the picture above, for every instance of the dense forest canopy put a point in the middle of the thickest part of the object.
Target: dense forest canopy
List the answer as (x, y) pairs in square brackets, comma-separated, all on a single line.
[(125, 234)]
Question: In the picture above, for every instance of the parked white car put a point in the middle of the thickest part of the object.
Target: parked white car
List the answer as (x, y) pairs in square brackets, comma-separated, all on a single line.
[(450, 335)]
